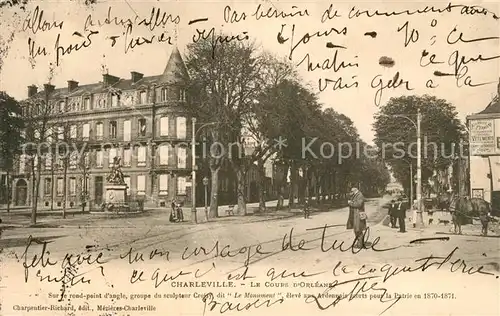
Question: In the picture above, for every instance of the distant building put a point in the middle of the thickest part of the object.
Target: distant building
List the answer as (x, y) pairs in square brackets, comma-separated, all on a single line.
[(484, 152)]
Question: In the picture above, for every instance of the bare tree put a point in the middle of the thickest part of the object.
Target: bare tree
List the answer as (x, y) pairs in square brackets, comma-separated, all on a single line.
[(37, 114)]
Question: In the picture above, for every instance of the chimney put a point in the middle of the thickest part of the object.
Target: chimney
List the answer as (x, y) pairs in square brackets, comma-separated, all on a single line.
[(32, 90), (48, 88), (72, 85), (109, 80), (136, 76)]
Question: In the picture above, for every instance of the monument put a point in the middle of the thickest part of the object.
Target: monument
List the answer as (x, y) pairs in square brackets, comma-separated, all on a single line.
[(116, 190)]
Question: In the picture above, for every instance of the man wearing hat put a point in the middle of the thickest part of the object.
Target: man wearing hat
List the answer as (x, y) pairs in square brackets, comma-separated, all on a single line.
[(358, 220)]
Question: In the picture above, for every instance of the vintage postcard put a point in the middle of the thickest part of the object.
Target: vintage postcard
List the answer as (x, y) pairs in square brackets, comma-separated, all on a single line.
[(249, 158)]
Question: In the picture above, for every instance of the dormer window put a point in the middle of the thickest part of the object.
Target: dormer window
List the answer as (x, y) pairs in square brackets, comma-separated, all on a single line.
[(182, 95), (86, 104), (164, 94), (114, 100), (62, 106), (143, 97)]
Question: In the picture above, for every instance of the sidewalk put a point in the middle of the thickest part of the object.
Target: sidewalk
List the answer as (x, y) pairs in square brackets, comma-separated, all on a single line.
[(160, 217)]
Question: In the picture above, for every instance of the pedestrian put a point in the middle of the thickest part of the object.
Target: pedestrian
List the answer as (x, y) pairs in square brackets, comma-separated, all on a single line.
[(392, 213), (358, 221), (401, 215), (180, 214), (173, 215)]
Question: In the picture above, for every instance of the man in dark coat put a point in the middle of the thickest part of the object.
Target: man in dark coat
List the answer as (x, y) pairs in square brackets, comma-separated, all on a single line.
[(401, 215), (392, 213), (358, 220)]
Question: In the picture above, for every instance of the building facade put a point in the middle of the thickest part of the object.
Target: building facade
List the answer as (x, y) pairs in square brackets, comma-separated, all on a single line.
[(143, 120), (484, 153)]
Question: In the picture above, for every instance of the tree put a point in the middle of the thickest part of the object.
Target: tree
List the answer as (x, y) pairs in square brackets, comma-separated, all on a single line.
[(226, 80), (37, 116), (396, 136), (11, 138)]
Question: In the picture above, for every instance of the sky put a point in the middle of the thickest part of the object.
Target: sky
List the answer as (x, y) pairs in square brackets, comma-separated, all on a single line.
[(86, 63)]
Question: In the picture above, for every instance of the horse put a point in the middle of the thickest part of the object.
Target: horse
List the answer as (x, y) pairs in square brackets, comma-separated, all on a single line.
[(463, 209)]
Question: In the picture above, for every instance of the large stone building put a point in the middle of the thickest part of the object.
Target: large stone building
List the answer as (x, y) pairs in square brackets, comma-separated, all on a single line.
[(484, 140), (142, 119)]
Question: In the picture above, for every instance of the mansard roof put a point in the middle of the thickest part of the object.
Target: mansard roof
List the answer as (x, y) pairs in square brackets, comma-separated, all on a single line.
[(175, 73)]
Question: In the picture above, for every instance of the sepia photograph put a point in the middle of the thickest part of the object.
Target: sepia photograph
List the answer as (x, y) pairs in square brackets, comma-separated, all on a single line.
[(249, 158)]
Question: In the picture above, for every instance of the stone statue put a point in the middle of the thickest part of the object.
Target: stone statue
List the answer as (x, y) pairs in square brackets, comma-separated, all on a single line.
[(116, 174)]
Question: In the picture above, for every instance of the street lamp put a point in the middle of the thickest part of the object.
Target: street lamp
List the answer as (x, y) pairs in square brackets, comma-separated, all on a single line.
[(420, 219), (194, 131), (205, 183)]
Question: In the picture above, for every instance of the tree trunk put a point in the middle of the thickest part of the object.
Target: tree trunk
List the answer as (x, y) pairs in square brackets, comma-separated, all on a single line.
[(65, 188), (318, 180), (302, 187), (52, 184), (293, 181), (214, 190), (9, 191), (281, 182), (261, 182), (35, 189), (240, 191)]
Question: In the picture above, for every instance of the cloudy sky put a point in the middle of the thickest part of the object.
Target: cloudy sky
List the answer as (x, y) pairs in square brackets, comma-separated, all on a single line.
[(86, 64)]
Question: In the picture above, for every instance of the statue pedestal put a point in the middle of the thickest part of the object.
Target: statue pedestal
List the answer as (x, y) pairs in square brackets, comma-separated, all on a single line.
[(116, 193)]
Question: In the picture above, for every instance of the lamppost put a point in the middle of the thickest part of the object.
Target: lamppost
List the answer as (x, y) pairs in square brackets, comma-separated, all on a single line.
[(420, 219), (205, 183), (194, 131)]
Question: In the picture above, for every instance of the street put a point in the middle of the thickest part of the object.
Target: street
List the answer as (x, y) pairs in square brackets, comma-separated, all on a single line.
[(150, 255)]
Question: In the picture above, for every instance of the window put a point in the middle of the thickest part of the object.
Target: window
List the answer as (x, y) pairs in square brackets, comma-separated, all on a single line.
[(163, 153), (182, 95), (86, 131), (101, 103), (111, 156), (60, 186), (143, 97), (127, 130), (181, 185), (126, 179), (127, 157), (114, 100), (141, 156), (142, 127), (37, 135), (62, 106), (73, 132), (60, 133), (163, 184), (73, 160), (181, 157), (72, 186), (141, 185), (164, 126), (48, 161), (99, 131), (59, 161), (73, 107), (47, 186), (98, 158), (112, 129), (181, 127), (22, 163), (86, 104), (164, 94)]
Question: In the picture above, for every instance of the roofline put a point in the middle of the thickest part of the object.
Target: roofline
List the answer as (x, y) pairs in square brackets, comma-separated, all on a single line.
[(478, 116)]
